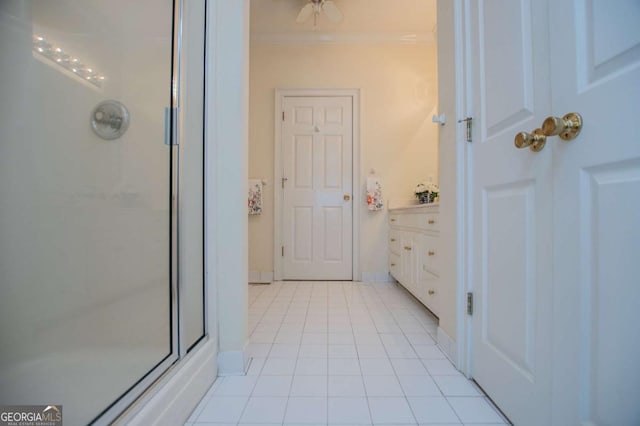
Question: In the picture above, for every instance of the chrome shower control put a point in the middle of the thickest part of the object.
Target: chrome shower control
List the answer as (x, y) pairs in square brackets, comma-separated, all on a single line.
[(110, 119)]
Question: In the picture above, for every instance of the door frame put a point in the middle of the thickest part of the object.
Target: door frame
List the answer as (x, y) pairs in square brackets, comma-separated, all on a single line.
[(356, 190), (464, 185)]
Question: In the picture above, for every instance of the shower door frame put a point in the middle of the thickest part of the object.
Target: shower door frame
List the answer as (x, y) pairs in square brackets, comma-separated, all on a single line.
[(178, 349)]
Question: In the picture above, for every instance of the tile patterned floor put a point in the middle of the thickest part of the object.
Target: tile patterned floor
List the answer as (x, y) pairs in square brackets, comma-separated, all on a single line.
[(343, 353)]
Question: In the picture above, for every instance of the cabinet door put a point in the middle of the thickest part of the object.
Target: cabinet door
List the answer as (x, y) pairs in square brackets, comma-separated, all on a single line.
[(394, 266), (427, 282), (416, 264), (394, 241), (407, 263), (429, 254)]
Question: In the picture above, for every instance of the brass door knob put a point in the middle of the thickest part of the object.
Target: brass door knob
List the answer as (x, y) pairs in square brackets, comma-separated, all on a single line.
[(567, 127), (393, 240), (407, 248), (431, 221), (393, 264), (346, 197), (535, 140), (431, 253), (431, 292)]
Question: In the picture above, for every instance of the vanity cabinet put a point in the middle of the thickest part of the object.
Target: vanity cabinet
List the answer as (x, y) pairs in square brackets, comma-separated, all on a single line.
[(413, 252)]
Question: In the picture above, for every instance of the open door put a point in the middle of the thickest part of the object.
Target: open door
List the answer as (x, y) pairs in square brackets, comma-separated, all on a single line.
[(555, 229)]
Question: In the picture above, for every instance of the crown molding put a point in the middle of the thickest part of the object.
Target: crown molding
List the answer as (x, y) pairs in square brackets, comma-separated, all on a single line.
[(317, 38)]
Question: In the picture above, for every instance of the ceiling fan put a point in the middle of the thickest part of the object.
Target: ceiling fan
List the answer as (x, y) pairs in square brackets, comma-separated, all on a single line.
[(315, 7)]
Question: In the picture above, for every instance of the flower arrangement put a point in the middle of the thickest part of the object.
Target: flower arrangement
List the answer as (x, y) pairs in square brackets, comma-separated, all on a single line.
[(427, 192)]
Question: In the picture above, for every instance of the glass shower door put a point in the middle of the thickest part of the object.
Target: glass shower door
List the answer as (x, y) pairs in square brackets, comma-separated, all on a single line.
[(86, 300)]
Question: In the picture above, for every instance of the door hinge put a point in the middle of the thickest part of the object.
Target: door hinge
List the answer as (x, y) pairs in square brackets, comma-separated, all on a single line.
[(468, 121), (282, 251), (469, 303)]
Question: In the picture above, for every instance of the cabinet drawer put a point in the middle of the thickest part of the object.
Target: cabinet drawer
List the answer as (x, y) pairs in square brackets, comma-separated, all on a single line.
[(412, 220), (421, 221), (428, 222), (394, 241), (431, 223), (394, 265)]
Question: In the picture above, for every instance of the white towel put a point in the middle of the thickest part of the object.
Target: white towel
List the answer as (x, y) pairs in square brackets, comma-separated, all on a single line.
[(255, 196), (374, 194)]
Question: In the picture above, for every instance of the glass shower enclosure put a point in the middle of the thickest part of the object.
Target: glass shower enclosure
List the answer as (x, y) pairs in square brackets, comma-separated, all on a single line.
[(92, 309)]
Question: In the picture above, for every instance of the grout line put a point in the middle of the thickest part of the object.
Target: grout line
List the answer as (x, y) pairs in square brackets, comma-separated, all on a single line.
[(327, 358), (267, 357), (295, 367), (394, 370), (366, 394), (429, 373), (387, 301)]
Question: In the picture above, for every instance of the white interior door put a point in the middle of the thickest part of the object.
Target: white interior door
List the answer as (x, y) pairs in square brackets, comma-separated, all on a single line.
[(596, 72), (555, 233), (317, 139), (511, 204)]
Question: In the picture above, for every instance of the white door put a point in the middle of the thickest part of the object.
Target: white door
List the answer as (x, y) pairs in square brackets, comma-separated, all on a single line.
[(511, 210), (317, 140), (596, 72), (556, 233)]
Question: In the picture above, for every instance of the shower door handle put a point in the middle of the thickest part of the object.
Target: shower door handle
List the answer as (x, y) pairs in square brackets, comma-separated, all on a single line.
[(170, 115)]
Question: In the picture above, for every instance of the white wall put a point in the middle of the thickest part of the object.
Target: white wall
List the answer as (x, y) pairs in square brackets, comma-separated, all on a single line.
[(227, 123), (398, 89)]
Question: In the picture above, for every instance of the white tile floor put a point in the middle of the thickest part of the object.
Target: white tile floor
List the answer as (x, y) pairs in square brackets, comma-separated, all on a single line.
[(343, 353)]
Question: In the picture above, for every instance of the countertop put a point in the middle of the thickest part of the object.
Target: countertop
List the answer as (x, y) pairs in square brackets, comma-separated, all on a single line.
[(408, 205)]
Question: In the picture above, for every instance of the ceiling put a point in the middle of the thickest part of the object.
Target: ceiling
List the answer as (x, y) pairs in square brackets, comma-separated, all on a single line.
[(360, 17)]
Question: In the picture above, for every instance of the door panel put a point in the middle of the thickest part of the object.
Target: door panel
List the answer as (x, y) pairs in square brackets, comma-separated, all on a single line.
[(511, 210), (506, 67), (602, 48), (302, 234), (333, 161), (317, 217), (596, 212), (332, 233), (85, 289), (610, 297), (508, 281), (303, 165), (586, 192)]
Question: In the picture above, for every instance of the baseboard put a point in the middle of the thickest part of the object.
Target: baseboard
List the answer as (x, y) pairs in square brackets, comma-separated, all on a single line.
[(232, 363), (260, 277), (377, 277), (448, 346), (171, 401)]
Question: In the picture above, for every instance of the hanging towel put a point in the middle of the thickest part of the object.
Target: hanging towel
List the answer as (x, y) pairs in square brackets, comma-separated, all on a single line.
[(255, 196), (374, 194)]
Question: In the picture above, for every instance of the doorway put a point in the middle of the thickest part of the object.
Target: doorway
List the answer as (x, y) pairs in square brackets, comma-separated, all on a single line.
[(315, 203)]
